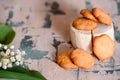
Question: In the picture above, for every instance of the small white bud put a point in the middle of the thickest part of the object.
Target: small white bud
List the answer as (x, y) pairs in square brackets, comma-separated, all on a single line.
[(8, 51), (18, 51), (5, 54), (5, 61), (12, 47), (18, 57), (0, 45), (0, 64), (23, 53), (2, 53), (12, 53), (5, 47), (9, 65), (21, 62), (12, 59), (4, 67), (17, 63)]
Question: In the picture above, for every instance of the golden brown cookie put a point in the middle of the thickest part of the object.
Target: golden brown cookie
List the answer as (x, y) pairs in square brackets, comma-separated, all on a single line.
[(102, 16), (103, 47), (88, 14), (63, 59), (82, 58), (82, 23)]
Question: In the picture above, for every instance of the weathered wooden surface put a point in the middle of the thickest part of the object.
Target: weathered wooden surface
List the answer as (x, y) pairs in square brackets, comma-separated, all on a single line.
[(42, 28)]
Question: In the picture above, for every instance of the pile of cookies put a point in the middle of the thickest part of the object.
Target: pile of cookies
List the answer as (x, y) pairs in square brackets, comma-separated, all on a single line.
[(102, 45), (90, 19), (74, 59)]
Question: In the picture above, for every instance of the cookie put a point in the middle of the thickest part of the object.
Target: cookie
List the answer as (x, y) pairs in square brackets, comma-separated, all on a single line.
[(82, 58), (103, 47), (88, 14), (102, 16), (63, 59), (82, 23)]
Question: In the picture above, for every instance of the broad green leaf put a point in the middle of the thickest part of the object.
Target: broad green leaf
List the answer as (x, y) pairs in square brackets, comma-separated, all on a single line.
[(7, 34), (15, 75), (25, 72), (37, 74)]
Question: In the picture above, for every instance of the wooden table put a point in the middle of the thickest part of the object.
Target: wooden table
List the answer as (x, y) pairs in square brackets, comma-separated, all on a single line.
[(42, 30)]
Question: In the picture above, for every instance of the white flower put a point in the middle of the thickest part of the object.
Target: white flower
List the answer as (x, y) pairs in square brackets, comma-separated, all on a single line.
[(0, 64), (4, 67), (9, 65), (18, 51), (5, 47), (23, 53), (12, 47), (12, 53), (0, 45), (2, 53), (18, 57), (21, 62), (17, 63), (8, 57), (5, 61), (5, 54), (8, 51), (12, 59)]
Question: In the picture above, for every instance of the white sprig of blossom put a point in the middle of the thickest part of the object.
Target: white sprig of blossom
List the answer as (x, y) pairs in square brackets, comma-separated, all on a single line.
[(10, 57)]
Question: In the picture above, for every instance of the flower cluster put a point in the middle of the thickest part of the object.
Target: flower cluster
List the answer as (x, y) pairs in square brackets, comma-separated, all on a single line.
[(10, 57)]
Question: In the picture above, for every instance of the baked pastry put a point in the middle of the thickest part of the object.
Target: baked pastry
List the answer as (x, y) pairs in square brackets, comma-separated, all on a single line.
[(102, 16), (82, 23), (82, 58), (83, 30), (88, 14), (64, 60), (88, 36), (103, 47)]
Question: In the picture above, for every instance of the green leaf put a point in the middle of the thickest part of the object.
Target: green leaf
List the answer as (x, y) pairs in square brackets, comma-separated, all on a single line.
[(24, 71), (17, 69), (15, 75), (7, 34), (37, 74)]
